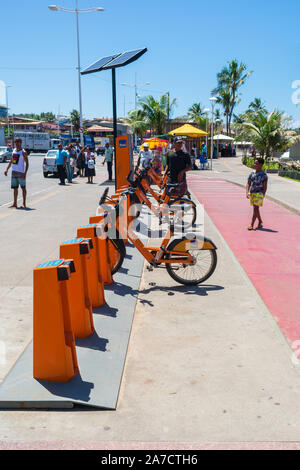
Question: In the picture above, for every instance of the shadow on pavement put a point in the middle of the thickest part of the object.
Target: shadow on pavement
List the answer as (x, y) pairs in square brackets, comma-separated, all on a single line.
[(93, 342), (202, 290)]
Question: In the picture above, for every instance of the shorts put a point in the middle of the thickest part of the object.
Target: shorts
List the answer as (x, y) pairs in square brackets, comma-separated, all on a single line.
[(256, 199), (15, 182)]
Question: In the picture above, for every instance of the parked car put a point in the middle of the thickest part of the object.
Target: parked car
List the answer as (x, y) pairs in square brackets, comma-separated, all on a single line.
[(5, 154), (49, 163)]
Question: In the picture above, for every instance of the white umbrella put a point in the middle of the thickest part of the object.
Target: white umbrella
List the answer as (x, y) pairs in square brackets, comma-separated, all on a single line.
[(223, 137)]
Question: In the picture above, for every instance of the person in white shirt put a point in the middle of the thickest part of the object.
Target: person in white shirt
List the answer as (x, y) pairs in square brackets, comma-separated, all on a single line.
[(145, 157), (19, 165)]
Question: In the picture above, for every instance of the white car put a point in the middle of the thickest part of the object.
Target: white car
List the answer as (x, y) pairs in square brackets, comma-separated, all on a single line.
[(5, 154), (49, 163)]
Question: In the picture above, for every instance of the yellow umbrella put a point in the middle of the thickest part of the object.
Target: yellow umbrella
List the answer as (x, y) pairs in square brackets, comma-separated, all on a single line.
[(189, 131), (154, 143)]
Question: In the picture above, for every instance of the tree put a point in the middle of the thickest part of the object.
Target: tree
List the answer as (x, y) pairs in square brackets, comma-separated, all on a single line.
[(48, 117), (230, 79), (195, 111), (224, 98), (137, 120), (156, 112), (75, 119), (268, 132), (257, 105)]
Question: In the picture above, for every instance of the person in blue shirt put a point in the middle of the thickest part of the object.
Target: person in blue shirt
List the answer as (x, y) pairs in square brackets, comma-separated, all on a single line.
[(61, 160)]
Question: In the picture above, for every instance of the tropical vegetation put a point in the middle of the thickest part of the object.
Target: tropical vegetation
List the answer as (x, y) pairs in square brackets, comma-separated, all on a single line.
[(269, 132), (230, 80), (152, 114)]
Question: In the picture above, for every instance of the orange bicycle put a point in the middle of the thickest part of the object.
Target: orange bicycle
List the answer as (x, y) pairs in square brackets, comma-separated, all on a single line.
[(180, 209), (189, 260)]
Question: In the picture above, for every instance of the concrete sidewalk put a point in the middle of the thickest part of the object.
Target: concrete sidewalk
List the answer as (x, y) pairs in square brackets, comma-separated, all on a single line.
[(281, 190), (206, 365)]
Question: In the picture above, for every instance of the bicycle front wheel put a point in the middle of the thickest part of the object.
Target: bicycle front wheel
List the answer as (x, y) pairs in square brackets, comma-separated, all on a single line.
[(203, 266), (117, 253)]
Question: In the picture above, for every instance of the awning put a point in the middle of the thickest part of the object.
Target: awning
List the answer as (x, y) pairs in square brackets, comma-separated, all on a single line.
[(189, 131), (223, 137), (97, 128)]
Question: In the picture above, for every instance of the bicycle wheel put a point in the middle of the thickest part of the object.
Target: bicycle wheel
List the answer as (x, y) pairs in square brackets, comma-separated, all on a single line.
[(117, 252), (205, 262), (184, 213)]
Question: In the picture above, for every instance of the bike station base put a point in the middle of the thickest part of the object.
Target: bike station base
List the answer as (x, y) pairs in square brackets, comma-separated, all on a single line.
[(101, 358)]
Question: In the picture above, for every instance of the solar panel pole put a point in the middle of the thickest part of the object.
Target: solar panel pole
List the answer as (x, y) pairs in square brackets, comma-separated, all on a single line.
[(114, 99), (79, 77)]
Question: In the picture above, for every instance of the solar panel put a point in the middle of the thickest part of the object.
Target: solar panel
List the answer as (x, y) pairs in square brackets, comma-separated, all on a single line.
[(125, 58), (98, 65)]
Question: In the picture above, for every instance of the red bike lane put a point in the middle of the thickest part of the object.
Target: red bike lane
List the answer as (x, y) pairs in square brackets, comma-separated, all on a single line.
[(270, 256)]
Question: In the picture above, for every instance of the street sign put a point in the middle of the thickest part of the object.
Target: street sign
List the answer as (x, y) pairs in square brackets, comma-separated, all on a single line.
[(81, 129)]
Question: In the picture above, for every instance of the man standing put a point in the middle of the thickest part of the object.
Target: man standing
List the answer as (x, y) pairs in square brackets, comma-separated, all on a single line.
[(19, 166), (61, 160), (178, 163), (145, 157), (108, 158)]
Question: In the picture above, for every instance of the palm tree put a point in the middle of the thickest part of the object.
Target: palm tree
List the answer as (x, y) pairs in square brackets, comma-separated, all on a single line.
[(157, 112), (230, 79), (195, 111), (257, 105), (224, 98), (75, 119), (137, 120), (269, 132)]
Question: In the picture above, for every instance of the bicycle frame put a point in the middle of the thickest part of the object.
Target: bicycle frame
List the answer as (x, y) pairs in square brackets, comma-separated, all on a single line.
[(154, 255)]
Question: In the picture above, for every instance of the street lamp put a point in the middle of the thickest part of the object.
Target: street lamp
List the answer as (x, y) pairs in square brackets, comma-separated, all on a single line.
[(8, 130), (213, 101), (77, 11), (206, 111), (135, 86)]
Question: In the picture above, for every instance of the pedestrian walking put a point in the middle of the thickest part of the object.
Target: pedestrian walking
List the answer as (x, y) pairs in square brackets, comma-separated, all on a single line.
[(194, 157), (145, 157), (19, 167), (256, 190), (69, 169), (61, 160), (90, 164), (108, 158), (80, 161), (73, 159)]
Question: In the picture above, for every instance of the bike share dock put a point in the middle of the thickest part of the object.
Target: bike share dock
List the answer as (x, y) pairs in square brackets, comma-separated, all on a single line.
[(101, 356)]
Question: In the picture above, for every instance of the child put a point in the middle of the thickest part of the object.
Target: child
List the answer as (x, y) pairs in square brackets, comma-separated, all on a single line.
[(256, 190), (90, 165)]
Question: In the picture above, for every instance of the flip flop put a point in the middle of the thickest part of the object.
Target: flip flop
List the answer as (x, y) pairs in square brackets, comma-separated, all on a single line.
[(250, 228)]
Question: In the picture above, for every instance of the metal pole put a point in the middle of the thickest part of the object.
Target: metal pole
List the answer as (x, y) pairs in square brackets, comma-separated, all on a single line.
[(212, 134), (206, 139), (8, 136), (79, 76), (114, 98)]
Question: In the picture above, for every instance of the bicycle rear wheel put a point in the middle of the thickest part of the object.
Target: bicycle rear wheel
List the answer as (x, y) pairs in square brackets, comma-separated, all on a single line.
[(205, 262), (184, 212)]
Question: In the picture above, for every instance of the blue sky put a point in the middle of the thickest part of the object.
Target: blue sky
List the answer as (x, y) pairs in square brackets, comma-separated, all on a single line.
[(188, 43)]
